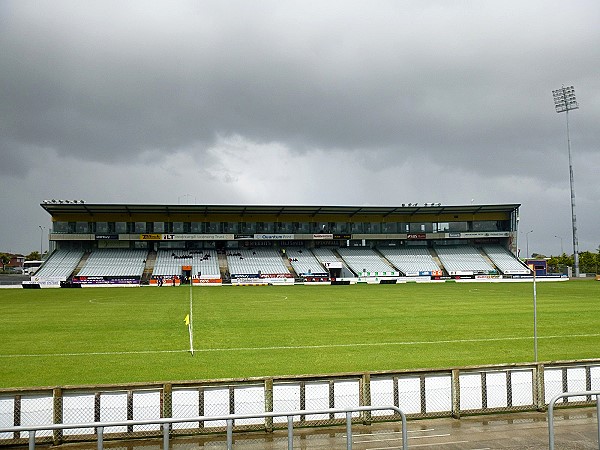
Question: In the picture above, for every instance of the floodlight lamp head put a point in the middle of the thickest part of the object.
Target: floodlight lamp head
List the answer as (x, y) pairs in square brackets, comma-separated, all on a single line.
[(564, 99)]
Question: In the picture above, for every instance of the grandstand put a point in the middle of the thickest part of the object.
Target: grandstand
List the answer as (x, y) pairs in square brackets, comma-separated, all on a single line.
[(412, 261), (504, 261), (365, 262), (464, 260), (256, 262), (61, 264), (137, 243), (305, 263), (114, 263), (204, 263)]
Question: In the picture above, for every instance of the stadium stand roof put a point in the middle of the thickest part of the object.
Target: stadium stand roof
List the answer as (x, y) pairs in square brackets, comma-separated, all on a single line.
[(281, 210)]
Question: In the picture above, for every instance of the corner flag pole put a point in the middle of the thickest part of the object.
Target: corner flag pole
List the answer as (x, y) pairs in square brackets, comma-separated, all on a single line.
[(189, 322)]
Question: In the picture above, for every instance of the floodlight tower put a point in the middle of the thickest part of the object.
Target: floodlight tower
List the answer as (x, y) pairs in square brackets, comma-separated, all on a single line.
[(565, 101)]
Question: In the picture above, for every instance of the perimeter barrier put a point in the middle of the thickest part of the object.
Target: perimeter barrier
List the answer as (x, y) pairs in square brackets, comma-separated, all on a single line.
[(565, 395), (258, 402), (230, 418)]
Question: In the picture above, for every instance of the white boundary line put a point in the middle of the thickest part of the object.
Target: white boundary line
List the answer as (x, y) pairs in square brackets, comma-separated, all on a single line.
[(300, 347)]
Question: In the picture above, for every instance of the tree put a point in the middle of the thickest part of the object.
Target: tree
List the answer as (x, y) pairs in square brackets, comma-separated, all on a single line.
[(588, 262), (33, 256), (556, 264), (5, 259)]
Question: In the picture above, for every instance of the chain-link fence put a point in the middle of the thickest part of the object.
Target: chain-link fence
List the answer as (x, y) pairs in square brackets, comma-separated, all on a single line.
[(420, 394)]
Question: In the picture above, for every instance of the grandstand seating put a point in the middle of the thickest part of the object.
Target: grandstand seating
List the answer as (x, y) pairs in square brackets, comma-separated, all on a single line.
[(365, 261), (169, 263), (463, 260), (305, 263), (61, 264), (114, 262), (325, 255), (505, 261), (411, 260), (251, 262)]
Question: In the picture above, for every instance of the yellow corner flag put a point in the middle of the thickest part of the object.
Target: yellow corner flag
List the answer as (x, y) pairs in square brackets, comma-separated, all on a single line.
[(187, 319)]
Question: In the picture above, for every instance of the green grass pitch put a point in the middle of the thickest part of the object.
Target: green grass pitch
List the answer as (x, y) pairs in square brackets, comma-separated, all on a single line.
[(60, 337)]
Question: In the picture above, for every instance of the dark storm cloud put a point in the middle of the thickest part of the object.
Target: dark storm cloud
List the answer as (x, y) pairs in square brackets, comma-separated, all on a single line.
[(102, 80)]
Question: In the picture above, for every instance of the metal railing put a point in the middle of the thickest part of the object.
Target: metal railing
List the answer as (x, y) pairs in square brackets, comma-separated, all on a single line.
[(229, 418), (566, 395)]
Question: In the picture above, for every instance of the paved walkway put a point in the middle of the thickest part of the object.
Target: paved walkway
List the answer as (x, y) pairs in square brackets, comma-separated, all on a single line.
[(574, 429)]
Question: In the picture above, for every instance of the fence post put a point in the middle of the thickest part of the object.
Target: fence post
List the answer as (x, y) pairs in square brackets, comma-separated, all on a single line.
[(167, 400), (365, 397), (16, 414), (130, 410), (539, 390), (269, 404), (57, 414), (331, 398), (455, 389)]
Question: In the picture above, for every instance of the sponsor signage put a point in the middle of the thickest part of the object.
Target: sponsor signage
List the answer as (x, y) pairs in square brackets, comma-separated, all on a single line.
[(277, 237), (323, 236), (107, 237), (342, 236), (207, 280), (243, 236), (275, 275), (415, 236), (106, 280), (479, 234), (184, 237), (150, 237)]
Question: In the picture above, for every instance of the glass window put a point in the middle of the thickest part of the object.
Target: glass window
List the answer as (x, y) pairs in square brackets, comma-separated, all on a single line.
[(372, 227), (285, 227), (421, 227), (213, 227), (459, 226), (324, 227), (264, 227), (196, 227), (443, 227), (60, 227), (140, 227), (485, 225), (340, 227), (101, 227), (159, 227), (177, 227), (120, 227), (81, 227), (247, 227), (389, 227), (302, 227), (357, 227)]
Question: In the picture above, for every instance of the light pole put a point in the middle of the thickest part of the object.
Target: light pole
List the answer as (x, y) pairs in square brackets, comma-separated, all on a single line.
[(41, 240), (527, 242), (565, 101), (561, 245)]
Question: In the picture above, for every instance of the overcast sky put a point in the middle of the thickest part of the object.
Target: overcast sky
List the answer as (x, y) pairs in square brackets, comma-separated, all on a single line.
[(300, 102)]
